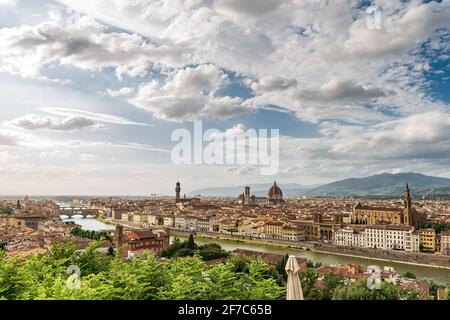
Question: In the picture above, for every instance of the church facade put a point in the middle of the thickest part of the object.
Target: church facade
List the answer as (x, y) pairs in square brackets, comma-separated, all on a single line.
[(398, 216)]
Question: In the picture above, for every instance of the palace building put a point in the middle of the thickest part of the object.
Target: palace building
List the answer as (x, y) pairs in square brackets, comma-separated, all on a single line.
[(399, 216), (179, 199)]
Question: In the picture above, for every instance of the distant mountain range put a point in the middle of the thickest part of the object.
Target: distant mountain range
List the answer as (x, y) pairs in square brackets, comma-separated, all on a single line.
[(382, 185), (259, 190)]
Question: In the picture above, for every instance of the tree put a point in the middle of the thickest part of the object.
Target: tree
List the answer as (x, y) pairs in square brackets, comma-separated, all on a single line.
[(6, 210), (433, 286), (111, 252), (191, 243), (239, 263), (409, 275), (387, 291), (281, 267), (332, 282), (308, 280)]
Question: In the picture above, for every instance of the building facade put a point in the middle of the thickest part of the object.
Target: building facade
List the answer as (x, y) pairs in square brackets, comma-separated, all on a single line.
[(147, 239), (428, 240), (376, 215)]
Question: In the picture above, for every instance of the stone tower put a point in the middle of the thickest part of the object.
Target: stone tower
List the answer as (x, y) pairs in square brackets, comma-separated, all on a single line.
[(177, 192), (407, 207), (247, 195)]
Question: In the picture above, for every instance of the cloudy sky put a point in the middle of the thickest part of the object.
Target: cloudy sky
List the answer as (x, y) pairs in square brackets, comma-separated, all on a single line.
[(91, 90)]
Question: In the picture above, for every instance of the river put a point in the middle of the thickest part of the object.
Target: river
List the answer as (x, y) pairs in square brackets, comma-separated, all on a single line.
[(90, 223), (439, 275)]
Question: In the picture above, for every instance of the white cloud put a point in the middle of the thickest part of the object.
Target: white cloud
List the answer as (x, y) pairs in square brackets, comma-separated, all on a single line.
[(121, 92), (88, 157), (189, 94), (84, 44), (35, 122), (94, 116), (315, 59), (8, 3), (250, 8), (8, 139), (401, 31)]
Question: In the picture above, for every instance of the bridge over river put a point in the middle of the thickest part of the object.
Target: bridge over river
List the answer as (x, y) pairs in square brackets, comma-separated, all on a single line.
[(70, 212)]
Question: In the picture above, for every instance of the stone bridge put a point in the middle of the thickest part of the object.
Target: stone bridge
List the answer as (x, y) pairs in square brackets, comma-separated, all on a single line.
[(78, 211)]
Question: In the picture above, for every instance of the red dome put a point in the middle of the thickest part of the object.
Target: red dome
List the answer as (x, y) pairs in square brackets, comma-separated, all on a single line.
[(275, 191)]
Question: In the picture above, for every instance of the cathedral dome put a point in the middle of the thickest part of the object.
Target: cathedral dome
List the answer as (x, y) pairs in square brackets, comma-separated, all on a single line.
[(275, 192)]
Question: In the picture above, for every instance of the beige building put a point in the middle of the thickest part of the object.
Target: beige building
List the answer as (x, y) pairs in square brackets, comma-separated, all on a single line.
[(428, 239), (274, 230), (293, 233), (445, 243)]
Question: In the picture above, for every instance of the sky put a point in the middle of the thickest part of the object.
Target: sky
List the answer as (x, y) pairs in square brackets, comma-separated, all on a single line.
[(91, 91)]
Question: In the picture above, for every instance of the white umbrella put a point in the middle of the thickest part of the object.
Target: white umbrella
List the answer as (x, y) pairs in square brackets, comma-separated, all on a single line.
[(294, 287)]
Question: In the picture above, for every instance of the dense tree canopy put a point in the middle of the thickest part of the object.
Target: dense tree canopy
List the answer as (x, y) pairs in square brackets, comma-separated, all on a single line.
[(104, 276), (210, 251), (6, 210), (91, 234), (67, 273)]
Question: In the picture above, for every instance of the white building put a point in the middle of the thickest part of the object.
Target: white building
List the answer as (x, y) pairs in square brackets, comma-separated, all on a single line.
[(152, 219), (391, 237), (203, 224), (180, 222), (168, 221), (384, 237), (191, 223), (349, 237)]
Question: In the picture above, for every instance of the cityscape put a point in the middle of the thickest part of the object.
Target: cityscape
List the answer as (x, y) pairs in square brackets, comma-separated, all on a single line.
[(392, 237), (203, 151)]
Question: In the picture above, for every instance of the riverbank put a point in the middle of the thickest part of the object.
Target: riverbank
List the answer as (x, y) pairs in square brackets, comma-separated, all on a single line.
[(311, 248), (386, 260), (422, 272)]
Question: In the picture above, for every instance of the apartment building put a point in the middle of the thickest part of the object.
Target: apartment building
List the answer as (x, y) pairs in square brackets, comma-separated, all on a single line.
[(428, 239), (445, 243), (350, 237), (391, 237)]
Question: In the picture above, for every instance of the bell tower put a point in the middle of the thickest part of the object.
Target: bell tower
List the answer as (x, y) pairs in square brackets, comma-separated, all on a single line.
[(407, 207), (177, 192)]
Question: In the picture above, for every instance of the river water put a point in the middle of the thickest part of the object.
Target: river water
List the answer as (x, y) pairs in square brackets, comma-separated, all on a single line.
[(90, 223), (439, 275)]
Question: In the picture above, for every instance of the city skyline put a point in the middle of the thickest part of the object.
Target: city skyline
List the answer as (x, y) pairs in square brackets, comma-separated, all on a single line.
[(91, 91)]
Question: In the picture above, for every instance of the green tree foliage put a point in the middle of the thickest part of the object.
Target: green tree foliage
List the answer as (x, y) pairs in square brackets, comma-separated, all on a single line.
[(281, 267), (6, 210), (360, 291), (91, 234), (433, 286), (207, 252), (191, 243), (409, 275), (437, 226), (144, 277)]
